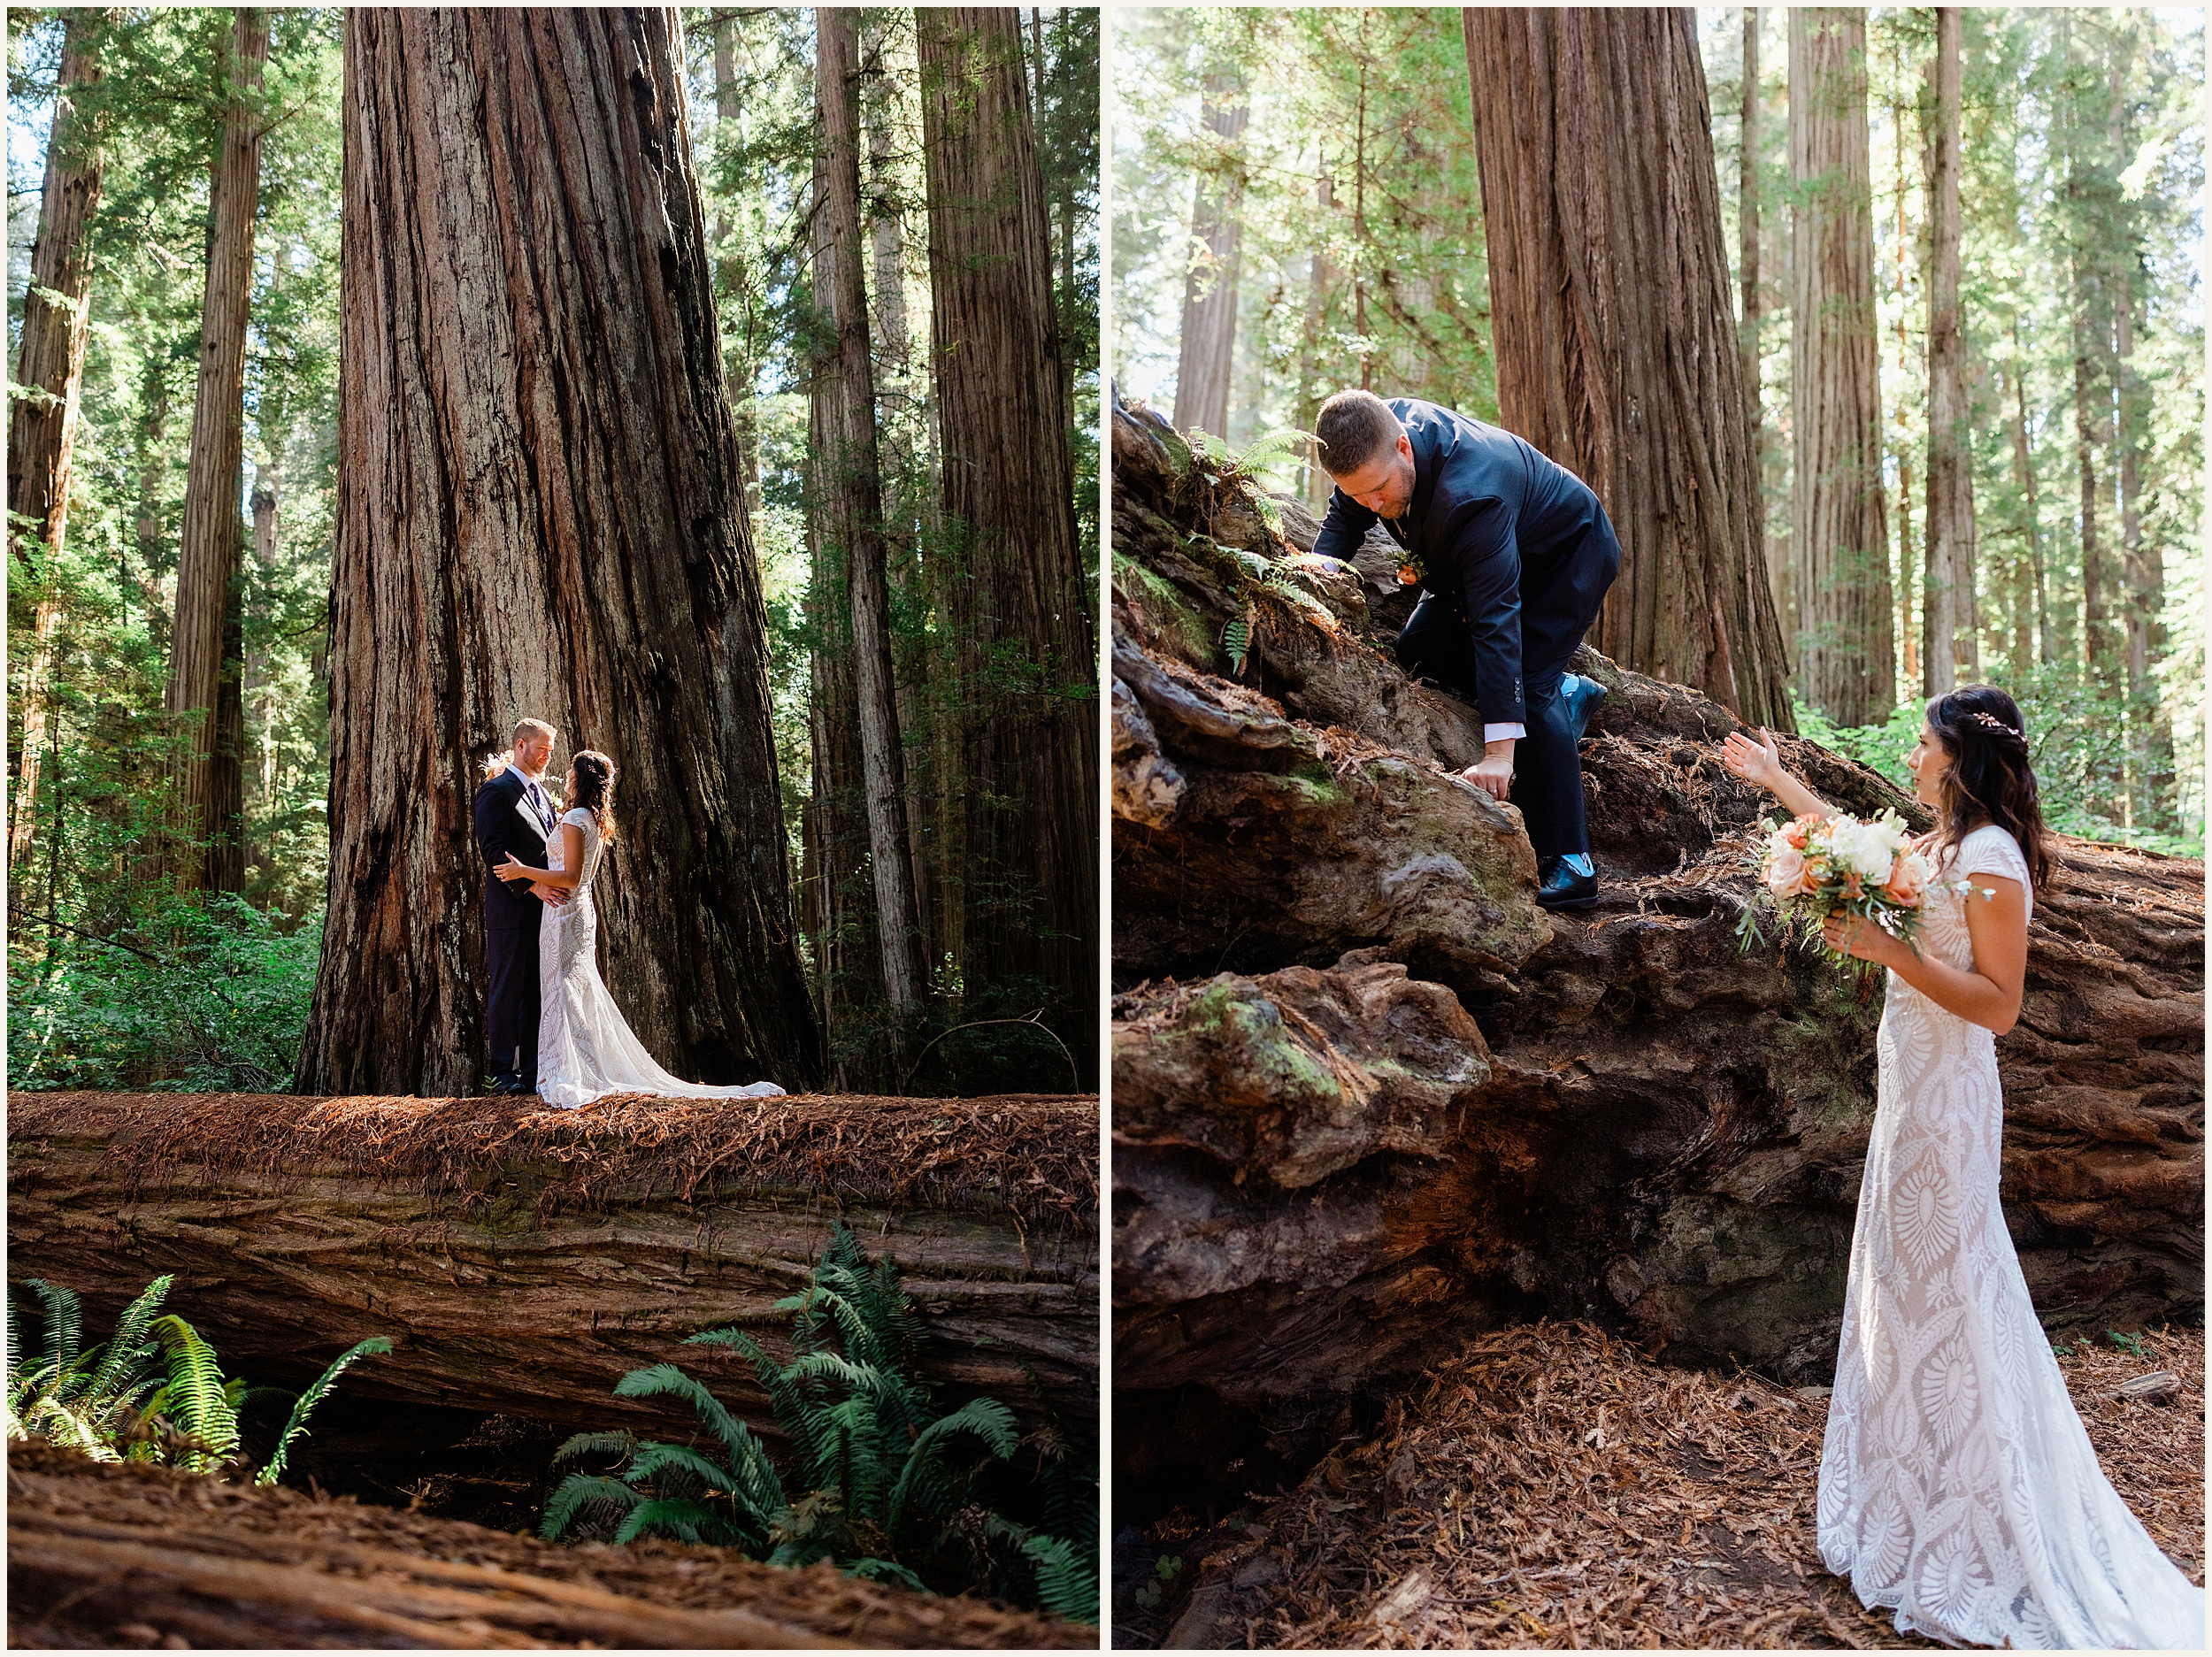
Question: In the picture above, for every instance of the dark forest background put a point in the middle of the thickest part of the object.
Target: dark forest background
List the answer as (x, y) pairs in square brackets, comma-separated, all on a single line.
[(169, 841), (1961, 271)]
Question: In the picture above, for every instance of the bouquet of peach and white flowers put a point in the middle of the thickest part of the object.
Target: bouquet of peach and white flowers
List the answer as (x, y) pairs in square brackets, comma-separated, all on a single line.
[(1814, 869)]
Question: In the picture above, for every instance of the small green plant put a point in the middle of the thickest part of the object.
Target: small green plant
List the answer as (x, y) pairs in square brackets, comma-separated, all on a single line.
[(2131, 1345), (153, 1392), (886, 1486)]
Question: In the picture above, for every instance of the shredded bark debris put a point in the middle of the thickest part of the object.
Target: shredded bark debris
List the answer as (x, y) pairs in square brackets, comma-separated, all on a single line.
[(133, 1555), (1034, 1154), (1553, 1488)]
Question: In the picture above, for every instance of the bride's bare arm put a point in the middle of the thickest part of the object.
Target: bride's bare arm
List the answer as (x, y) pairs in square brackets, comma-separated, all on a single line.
[(1760, 763), (571, 854), (1986, 993)]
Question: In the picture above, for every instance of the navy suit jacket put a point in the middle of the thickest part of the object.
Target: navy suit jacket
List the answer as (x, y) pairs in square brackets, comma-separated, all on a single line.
[(1490, 520), (502, 827)]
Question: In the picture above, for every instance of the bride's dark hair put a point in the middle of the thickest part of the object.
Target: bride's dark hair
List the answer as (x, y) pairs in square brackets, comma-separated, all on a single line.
[(1990, 778), (595, 781)]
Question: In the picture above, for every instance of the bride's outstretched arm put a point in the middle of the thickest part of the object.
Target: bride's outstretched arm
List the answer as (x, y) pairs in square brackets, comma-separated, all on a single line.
[(571, 854), (1760, 763), (1986, 993)]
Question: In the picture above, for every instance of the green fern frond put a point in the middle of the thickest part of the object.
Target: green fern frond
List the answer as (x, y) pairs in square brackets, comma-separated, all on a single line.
[(1067, 1578), (922, 1482), (129, 1345), (686, 1521), (886, 1570), (1236, 639), (56, 1421), (379, 1346), (65, 1325), (621, 1444), (578, 1492), (195, 1390), (756, 1474)]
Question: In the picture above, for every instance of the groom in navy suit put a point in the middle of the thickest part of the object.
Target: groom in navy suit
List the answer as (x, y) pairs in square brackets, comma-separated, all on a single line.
[(515, 814), (1513, 553)]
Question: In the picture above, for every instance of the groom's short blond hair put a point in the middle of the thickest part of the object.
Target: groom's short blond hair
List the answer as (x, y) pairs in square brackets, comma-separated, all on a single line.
[(538, 726), (1351, 429)]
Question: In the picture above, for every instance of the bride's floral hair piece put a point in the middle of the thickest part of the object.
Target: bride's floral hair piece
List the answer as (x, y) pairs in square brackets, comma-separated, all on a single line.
[(1990, 778), (595, 781)]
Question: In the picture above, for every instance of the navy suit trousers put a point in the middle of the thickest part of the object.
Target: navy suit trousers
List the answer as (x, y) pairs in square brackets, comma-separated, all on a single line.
[(511, 1033), (1437, 644)]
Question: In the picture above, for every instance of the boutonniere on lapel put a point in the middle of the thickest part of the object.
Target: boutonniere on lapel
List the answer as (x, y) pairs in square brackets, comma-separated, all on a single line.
[(1411, 571)]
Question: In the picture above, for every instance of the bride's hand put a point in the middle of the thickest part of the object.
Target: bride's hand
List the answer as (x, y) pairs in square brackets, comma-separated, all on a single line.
[(512, 869), (1756, 761), (1861, 939)]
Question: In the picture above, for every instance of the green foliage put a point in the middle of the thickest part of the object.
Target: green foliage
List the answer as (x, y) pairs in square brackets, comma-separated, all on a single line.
[(153, 1392), (215, 1000), (2131, 1345), (887, 1488)]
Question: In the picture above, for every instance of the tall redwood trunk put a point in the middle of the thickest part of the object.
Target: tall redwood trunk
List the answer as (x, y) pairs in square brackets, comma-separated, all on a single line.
[(1021, 612), (1207, 351), (1749, 337), (204, 661), (2023, 472), (1614, 327), (1946, 590), (1837, 533), (43, 428), (741, 358), (853, 507), (540, 514)]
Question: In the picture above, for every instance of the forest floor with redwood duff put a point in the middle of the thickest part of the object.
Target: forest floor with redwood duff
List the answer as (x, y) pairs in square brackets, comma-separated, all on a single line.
[(139, 1556), (1552, 1487)]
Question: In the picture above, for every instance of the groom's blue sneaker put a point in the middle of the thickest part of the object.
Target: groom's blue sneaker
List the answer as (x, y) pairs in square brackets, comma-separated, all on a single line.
[(1581, 696), (1568, 882)]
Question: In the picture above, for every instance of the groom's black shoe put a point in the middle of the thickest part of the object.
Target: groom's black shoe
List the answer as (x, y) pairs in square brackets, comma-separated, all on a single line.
[(1581, 696), (1561, 885)]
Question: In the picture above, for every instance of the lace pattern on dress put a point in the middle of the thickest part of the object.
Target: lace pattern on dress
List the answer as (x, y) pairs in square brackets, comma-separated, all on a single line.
[(1957, 1484)]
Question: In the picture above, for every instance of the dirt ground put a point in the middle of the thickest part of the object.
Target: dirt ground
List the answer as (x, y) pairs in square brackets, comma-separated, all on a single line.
[(145, 1558), (1551, 1487)]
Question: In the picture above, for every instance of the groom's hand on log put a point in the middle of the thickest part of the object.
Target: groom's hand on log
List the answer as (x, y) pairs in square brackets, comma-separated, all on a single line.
[(1493, 773)]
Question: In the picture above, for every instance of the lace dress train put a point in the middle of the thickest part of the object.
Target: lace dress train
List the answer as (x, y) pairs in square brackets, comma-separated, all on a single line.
[(1957, 1486), (586, 1047)]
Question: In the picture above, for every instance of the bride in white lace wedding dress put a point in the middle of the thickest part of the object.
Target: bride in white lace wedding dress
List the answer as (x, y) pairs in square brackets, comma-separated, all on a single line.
[(1957, 1486), (585, 1048)]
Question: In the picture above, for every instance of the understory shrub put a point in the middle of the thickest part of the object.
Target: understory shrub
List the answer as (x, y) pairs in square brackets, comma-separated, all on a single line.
[(152, 1391), (214, 1000), (881, 1484)]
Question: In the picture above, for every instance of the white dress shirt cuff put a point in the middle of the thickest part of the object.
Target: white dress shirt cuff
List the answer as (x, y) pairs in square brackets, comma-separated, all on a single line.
[(1500, 732)]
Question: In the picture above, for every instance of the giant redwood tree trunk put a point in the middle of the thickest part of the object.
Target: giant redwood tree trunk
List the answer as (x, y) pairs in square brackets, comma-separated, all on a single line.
[(42, 426), (1207, 354), (541, 513), (1947, 593), (1615, 329), (852, 506), (1022, 617), (204, 641), (1838, 533)]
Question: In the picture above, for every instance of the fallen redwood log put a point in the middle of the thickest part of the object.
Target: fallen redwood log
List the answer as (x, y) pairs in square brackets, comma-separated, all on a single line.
[(133, 1555), (522, 1260), (1368, 1100)]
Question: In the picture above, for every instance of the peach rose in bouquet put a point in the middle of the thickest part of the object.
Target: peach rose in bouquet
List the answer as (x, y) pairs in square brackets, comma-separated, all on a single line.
[(1814, 868)]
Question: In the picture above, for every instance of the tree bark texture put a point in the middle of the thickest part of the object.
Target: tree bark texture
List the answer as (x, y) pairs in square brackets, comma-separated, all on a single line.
[(1021, 612), (201, 640), (1847, 661), (523, 1260), (541, 514), (1614, 329), (1747, 231), (1946, 590), (1206, 355), (853, 509), (43, 428), (886, 235), (1368, 1099), (740, 364)]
